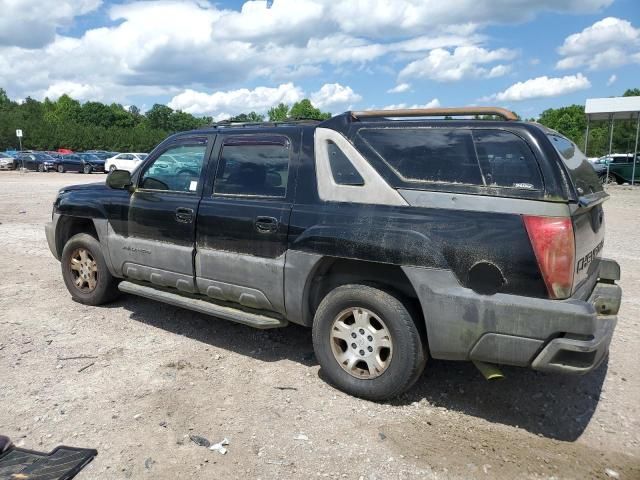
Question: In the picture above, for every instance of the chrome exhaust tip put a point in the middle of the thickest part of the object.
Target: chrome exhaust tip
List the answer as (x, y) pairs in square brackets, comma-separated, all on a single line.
[(488, 370)]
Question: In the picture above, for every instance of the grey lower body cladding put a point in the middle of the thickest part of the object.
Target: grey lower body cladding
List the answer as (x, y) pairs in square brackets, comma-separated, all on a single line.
[(569, 336)]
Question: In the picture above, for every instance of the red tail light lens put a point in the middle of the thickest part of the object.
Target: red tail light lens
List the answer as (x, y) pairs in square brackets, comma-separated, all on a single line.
[(554, 245)]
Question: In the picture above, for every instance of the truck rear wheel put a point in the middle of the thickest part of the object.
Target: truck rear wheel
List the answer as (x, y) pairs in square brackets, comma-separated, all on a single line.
[(85, 271), (367, 342)]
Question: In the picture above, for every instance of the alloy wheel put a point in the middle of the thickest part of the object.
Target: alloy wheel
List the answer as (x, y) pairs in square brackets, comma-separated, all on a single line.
[(361, 343), (84, 270)]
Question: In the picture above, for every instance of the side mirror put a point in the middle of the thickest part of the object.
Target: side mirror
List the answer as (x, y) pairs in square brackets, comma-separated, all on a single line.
[(119, 179)]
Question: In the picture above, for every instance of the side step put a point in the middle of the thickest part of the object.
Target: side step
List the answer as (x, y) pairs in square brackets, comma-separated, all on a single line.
[(240, 316)]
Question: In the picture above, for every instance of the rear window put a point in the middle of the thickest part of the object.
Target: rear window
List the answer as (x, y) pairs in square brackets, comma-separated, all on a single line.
[(482, 157), (506, 160), (581, 171)]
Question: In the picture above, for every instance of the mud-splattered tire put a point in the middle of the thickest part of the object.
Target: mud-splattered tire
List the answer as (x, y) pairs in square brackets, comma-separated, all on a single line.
[(367, 343), (85, 271)]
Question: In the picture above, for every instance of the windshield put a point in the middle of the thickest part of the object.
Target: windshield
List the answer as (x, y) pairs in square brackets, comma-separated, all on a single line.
[(584, 177), (143, 155), (90, 156)]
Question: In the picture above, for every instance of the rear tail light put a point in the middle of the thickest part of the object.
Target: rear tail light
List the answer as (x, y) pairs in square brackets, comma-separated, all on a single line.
[(554, 245)]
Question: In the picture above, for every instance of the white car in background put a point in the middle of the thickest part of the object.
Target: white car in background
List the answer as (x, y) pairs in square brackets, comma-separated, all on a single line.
[(7, 162), (124, 161)]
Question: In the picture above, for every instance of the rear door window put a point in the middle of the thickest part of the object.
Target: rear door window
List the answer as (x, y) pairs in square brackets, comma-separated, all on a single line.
[(506, 160), (580, 170), (253, 165), (427, 154)]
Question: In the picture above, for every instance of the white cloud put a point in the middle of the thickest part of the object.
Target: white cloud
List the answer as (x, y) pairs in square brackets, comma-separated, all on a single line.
[(171, 46), (401, 87), (33, 23), (541, 87), (223, 104), (233, 102), (608, 43), (612, 80), (463, 62), (78, 91), (385, 17), (435, 103), (334, 94)]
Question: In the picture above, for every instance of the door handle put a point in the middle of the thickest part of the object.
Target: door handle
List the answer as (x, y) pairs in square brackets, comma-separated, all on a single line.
[(184, 215), (266, 224)]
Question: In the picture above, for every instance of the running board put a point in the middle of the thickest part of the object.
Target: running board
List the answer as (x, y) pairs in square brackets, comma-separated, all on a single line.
[(227, 313)]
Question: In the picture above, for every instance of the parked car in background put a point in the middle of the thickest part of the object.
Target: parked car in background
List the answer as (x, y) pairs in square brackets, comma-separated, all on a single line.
[(91, 162), (102, 154), (620, 168), (125, 161), (40, 161), (7, 162), (68, 163)]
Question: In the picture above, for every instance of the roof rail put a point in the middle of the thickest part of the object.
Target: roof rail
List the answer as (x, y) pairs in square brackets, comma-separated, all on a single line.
[(230, 123), (436, 112)]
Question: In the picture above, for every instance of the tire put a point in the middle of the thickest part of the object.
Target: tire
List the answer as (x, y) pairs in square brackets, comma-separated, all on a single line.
[(86, 169), (609, 179), (41, 168), (403, 360), (60, 168), (105, 286), (112, 168)]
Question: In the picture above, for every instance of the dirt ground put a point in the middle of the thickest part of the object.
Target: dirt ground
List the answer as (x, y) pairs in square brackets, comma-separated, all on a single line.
[(150, 375)]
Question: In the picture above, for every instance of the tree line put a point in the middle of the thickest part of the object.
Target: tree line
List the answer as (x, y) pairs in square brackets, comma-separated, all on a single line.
[(572, 123), (68, 123)]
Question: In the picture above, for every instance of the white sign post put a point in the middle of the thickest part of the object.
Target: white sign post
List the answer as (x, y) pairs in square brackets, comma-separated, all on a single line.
[(19, 135)]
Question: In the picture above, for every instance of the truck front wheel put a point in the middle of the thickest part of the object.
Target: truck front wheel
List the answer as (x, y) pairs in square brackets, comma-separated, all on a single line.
[(85, 271), (367, 342)]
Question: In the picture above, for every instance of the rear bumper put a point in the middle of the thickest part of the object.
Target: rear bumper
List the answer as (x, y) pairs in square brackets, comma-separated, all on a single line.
[(570, 336), (580, 354)]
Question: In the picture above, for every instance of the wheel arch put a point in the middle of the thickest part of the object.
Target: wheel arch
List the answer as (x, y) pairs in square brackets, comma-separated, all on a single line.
[(326, 273), (68, 226)]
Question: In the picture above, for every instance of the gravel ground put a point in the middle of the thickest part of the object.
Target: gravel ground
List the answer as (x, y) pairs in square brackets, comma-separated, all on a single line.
[(151, 375)]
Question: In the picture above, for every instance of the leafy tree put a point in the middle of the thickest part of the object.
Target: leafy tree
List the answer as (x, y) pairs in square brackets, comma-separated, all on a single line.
[(304, 110), (159, 116), (251, 117), (4, 99), (279, 113)]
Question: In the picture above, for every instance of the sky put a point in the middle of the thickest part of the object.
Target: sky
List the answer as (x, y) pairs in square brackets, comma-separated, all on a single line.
[(221, 58)]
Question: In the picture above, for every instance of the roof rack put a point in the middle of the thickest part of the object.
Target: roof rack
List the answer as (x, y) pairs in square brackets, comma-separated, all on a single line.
[(229, 123), (436, 112)]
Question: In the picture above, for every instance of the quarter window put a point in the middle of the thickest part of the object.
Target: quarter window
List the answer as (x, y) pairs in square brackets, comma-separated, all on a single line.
[(253, 166), (177, 169), (343, 171), (427, 154)]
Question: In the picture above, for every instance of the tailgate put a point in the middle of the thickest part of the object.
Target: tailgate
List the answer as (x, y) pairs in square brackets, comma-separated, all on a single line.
[(588, 229)]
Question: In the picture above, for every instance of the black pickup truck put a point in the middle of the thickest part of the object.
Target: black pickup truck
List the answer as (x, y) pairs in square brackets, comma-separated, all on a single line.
[(394, 235)]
